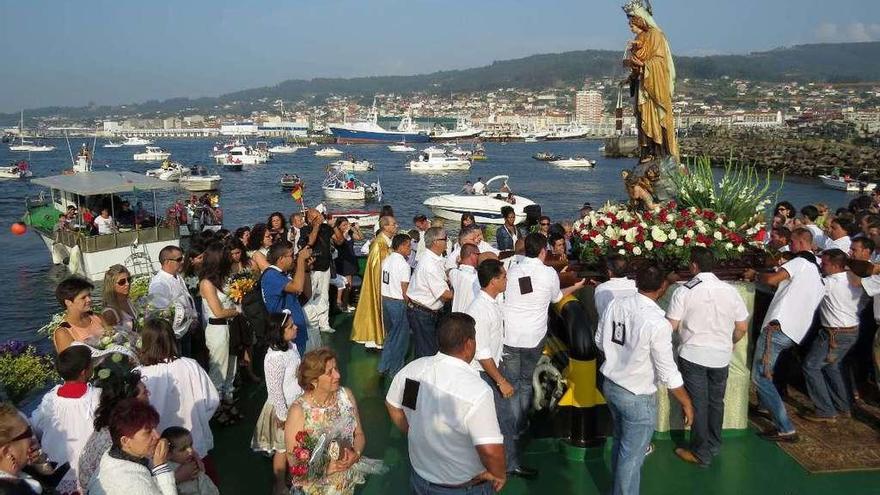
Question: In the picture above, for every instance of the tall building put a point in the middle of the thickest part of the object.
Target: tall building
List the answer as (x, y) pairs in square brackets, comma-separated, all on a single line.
[(588, 107)]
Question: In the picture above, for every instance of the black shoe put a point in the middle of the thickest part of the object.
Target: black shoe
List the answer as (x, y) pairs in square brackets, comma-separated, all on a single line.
[(524, 472), (775, 436)]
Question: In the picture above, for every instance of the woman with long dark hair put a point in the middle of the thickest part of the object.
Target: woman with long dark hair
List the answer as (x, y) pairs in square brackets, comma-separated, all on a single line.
[(238, 257), (218, 309), (344, 235), (243, 234), (277, 225), (241, 332), (260, 241)]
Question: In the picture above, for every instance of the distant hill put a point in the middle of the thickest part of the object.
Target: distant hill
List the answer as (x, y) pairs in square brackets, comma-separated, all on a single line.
[(838, 62)]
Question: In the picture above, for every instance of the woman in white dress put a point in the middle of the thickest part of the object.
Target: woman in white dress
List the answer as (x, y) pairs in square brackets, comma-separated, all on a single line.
[(281, 363), (118, 311), (218, 310), (180, 390)]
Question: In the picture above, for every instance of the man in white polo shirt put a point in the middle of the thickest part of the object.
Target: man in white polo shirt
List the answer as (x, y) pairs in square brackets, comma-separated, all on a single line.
[(710, 317), (395, 280), (427, 292), (532, 288), (471, 234), (800, 290), (463, 279), (448, 415), (618, 285), (636, 340)]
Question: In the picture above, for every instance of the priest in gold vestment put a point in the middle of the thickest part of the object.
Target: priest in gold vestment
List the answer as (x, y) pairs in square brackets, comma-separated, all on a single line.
[(367, 328)]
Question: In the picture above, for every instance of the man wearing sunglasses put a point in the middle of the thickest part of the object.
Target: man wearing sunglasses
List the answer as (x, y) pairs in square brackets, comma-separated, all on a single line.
[(168, 289)]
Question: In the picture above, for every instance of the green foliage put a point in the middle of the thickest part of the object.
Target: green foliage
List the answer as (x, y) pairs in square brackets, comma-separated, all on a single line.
[(23, 369)]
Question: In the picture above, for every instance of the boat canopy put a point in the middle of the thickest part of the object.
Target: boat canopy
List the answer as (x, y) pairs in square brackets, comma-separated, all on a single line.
[(98, 183)]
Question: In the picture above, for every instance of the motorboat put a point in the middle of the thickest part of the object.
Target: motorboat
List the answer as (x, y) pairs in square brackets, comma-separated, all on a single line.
[(844, 183), (364, 218), (18, 170), (136, 141), (328, 152), (463, 130), (152, 154), (290, 181), (111, 144), (400, 147), (198, 181), (369, 131), (571, 131), (461, 153), (576, 162), (169, 171), (436, 160), (478, 153), (343, 185), (485, 207), (285, 149), (28, 146), (353, 165), (545, 156), (241, 155)]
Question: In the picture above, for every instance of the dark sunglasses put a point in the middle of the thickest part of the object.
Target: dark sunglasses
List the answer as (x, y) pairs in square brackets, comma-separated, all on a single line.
[(28, 433), (123, 281)]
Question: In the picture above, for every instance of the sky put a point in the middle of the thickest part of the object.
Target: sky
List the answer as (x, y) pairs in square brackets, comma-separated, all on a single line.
[(73, 53)]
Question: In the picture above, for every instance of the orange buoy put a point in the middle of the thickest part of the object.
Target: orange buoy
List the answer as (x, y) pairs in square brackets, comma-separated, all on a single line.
[(18, 228)]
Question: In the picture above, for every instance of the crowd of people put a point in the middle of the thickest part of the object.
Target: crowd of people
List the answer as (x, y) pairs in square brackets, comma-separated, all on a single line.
[(460, 324)]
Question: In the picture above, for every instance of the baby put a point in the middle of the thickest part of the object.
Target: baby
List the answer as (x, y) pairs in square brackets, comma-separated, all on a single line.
[(180, 452)]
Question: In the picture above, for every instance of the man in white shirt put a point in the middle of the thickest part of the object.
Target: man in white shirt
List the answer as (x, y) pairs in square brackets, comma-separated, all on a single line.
[(427, 292), (448, 415), (104, 223), (533, 287), (167, 290), (838, 235), (809, 214), (618, 285), (297, 222), (779, 239), (839, 316), (395, 280), (861, 249), (711, 318), (463, 279), (799, 292), (422, 225), (637, 342), (472, 234), (479, 186)]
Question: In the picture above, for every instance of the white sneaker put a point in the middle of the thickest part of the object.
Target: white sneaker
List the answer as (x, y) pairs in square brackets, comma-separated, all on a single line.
[(328, 330)]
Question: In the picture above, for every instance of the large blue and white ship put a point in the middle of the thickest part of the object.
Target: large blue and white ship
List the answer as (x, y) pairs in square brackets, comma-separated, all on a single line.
[(370, 131)]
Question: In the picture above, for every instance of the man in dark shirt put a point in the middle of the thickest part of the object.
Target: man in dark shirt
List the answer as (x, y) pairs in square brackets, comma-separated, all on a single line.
[(316, 234)]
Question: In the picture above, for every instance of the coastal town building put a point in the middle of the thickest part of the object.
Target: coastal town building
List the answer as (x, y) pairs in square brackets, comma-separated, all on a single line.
[(588, 107)]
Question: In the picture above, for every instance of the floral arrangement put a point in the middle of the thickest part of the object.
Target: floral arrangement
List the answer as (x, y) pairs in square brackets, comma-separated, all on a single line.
[(666, 234), (302, 468), (239, 284), (139, 288), (49, 328), (23, 369)]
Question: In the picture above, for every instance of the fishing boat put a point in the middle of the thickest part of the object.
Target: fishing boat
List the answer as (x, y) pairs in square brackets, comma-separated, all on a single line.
[(576, 162), (461, 153), (198, 180), (285, 149), (18, 170), (844, 183), (570, 131), (343, 185), (436, 160), (28, 146), (369, 131), (136, 141), (169, 171), (486, 207), (241, 155), (545, 156), (463, 130), (152, 154), (290, 181), (353, 165), (478, 153), (400, 147), (111, 144), (328, 152)]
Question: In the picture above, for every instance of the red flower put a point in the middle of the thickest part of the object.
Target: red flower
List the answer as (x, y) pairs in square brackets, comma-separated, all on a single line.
[(301, 436), (593, 233), (679, 225), (640, 237), (672, 205), (628, 246), (600, 223), (690, 223), (663, 215), (613, 243), (299, 470), (611, 217), (302, 454)]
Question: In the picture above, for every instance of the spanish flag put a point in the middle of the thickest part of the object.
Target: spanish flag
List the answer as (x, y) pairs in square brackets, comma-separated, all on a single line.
[(297, 193)]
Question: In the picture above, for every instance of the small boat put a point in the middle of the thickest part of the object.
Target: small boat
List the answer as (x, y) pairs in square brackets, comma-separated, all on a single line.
[(111, 144), (400, 147), (461, 153), (28, 146), (844, 183), (152, 154), (289, 181), (436, 160), (353, 165), (18, 170), (199, 180), (169, 171), (343, 185), (478, 153), (285, 149), (485, 207), (136, 141), (365, 219), (328, 152), (241, 155), (546, 157), (576, 162)]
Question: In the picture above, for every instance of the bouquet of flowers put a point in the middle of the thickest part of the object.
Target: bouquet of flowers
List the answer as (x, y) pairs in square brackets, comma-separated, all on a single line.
[(140, 287), (239, 284), (666, 234), (23, 369), (315, 453), (49, 328)]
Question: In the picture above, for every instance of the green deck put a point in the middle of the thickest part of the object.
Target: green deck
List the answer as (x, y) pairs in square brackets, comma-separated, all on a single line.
[(747, 464)]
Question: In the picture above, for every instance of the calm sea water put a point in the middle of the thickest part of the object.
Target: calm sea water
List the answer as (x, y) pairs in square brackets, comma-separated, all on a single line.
[(28, 278)]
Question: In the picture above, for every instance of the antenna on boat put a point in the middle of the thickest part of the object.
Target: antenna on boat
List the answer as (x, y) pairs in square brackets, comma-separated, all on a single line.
[(69, 150)]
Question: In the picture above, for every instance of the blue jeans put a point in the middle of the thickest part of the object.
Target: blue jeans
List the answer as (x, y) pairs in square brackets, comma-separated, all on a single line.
[(504, 413), (634, 417), (768, 396), (706, 387), (518, 366), (822, 371), (420, 486), (396, 336), (424, 331)]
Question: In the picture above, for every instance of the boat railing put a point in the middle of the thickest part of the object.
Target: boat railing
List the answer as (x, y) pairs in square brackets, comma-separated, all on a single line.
[(105, 242)]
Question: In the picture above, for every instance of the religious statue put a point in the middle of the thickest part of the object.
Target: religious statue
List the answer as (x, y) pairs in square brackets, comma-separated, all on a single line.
[(652, 83)]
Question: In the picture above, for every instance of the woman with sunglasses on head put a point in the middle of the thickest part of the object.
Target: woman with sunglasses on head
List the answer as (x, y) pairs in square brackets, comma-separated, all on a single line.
[(118, 311), (260, 241), (786, 210), (280, 366)]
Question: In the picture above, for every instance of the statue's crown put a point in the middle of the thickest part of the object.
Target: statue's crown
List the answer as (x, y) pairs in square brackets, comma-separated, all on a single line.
[(630, 7)]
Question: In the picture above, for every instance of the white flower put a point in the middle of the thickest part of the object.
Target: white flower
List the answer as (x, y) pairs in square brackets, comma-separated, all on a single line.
[(630, 235), (621, 252), (637, 250), (670, 217), (658, 235), (679, 242), (644, 225), (649, 245), (701, 229), (689, 233), (673, 235), (740, 248), (731, 224), (701, 244), (611, 233), (599, 240), (717, 235), (728, 245), (719, 221), (698, 223)]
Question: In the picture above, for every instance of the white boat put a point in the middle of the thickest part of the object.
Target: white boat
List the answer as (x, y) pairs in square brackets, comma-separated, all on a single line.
[(241, 155), (462, 153), (353, 165), (285, 149), (343, 185), (290, 181), (576, 162), (152, 154), (136, 141), (846, 183), (111, 144), (486, 207), (436, 160), (18, 170), (328, 152), (197, 181), (28, 146), (169, 171), (463, 130), (365, 219), (91, 255), (400, 147), (571, 131)]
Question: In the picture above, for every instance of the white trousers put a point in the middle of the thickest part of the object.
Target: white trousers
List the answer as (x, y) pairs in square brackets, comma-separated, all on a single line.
[(318, 308), (221, 365)]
